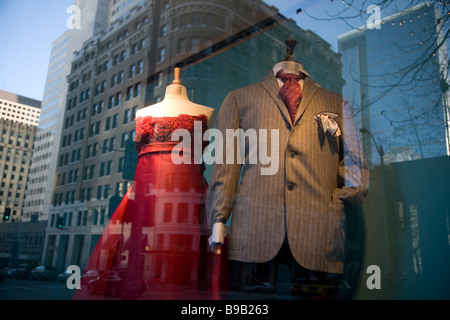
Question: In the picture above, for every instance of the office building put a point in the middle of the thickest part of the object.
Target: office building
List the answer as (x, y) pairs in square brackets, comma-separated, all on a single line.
[(395, 76), (19, 117), (45, 154)]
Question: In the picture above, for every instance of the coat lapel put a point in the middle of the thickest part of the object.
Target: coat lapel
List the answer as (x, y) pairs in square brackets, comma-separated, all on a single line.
[(310, 89), (271, 86)]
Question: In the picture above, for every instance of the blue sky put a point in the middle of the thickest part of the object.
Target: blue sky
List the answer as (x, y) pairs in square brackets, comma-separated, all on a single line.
[(28, 28)]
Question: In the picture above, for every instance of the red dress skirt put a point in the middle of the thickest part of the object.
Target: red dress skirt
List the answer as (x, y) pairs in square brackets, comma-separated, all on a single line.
[(155, 245)]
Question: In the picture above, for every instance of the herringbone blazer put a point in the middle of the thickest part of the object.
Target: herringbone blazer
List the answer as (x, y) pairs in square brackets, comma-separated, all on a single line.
[(318, 173)]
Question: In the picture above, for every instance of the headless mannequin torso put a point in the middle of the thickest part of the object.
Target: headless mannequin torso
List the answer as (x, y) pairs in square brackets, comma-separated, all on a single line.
[(287, 66), (176, 102)]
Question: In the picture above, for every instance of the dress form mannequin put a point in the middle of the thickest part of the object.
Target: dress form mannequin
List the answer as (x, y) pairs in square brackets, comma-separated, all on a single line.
[(170, 254), (176, 102)]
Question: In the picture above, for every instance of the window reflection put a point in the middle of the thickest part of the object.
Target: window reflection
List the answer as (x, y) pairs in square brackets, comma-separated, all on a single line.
[(396, 79)]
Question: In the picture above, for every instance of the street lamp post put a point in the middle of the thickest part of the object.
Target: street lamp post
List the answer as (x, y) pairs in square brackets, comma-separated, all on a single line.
[(380, 151), (379, 148)]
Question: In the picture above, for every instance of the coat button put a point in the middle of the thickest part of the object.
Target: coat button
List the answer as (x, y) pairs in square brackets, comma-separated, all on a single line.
[(291, 187), (292, 154), (288, 126)]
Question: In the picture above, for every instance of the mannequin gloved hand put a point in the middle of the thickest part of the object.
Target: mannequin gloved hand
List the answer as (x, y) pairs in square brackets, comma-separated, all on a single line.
[(219, 232)]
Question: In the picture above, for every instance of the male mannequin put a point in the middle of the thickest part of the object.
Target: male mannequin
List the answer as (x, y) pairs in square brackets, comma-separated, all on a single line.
[(297, 212)]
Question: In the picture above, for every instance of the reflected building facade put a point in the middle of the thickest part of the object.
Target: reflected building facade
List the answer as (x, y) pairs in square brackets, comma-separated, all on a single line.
[(45, 154), (394, 78), (219, 45), (397, 79), (19, 117)]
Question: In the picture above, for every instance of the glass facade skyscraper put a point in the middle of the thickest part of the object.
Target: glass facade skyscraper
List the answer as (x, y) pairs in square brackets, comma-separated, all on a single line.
[(46, 146), (393, 79)]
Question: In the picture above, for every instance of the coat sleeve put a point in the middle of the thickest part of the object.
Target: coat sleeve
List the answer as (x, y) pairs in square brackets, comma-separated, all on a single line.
[(353, 173), (226, 171)]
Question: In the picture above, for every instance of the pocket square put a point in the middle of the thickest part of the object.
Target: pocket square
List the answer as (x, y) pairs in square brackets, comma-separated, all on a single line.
[(328, 123)]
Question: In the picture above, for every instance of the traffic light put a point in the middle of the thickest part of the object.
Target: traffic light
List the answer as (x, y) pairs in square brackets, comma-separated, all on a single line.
[(59, 222), (7, 214)]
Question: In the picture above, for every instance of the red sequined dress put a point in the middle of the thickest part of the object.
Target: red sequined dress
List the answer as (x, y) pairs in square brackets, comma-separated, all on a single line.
[(155, 245)]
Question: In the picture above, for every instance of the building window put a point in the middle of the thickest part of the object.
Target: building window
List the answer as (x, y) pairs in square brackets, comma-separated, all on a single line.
[(94, 217), (79, 217), (160, 79), (124, 139), (110, 102), (126, 116), (132, 71), (105, 146), (192, 72), (134, 49), (137, 90), (181, 46), (183, 213), (118, 98), (106, 191), (102, 170), (195, 44), (108, 124), (167, 215), (129, 93), (133, 112), (120, 168), (207, 71), (97, 89), (163, 31), (185, 20), (102, 216), (109, 167), (114, 120), (112, 143), (196, 19), (120, 77), (161, 54)]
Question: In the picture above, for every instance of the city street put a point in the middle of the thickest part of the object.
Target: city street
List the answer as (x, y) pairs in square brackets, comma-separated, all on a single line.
[(15, 289)]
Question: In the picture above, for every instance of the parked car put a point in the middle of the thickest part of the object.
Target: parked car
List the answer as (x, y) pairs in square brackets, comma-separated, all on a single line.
[(314, 288), (22, 272), (8, 272), (62, 277), (2, 276), (112, 284), (264, 287), (43, 273), (89, 275), (109, 283)]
